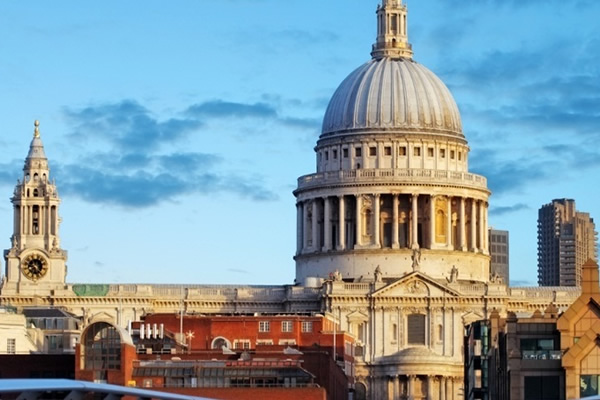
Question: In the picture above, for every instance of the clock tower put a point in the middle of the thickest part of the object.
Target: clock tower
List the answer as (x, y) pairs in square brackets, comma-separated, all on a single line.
[(35, 263)]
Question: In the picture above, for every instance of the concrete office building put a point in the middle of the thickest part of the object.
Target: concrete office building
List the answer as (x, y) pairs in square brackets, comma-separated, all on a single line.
[(566, 239), (499, 254)]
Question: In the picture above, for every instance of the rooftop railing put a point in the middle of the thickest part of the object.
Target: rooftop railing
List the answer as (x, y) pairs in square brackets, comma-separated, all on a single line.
[(408, 175)]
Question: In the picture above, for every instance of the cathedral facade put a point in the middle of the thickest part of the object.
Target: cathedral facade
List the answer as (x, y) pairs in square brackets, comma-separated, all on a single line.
[(392, 239)]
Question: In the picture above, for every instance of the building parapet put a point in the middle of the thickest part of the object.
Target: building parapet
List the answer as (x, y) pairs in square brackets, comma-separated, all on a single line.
[(396, 175), (222, 292)]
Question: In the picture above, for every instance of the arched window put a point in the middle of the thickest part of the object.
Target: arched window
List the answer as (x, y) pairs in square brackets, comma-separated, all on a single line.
[(101, 350), (360, 391), (35, 221), (416, 329), (219, 342)]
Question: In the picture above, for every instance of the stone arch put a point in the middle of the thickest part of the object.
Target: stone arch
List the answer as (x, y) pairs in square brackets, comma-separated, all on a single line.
[(101, 348)]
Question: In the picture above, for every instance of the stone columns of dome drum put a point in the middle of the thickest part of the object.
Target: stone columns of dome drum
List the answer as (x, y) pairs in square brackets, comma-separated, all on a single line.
[(376, 220), (473, 225), (299, 227), (485, 229), (481, 226), (327, 224), (449, 222), (415, 223), (315, 225), (431, 222), (395, 241), (358, 222), (305, 226), (342, 224), (462, 226)]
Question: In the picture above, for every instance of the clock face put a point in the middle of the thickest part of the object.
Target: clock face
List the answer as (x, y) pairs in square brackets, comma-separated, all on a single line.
[(34, 266)]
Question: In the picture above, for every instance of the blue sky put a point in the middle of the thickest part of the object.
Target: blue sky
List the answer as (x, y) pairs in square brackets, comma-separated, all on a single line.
[(176, 130)]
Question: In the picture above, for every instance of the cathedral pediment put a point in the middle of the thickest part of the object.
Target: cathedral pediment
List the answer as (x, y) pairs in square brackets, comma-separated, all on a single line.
[(357, 316), (415, 284)]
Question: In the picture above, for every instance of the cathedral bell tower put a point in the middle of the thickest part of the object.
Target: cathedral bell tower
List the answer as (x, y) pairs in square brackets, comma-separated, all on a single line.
[(35, 263)]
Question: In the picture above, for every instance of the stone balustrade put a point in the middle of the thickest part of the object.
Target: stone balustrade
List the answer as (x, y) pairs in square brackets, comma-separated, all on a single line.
[(412, 175), (230, 292)]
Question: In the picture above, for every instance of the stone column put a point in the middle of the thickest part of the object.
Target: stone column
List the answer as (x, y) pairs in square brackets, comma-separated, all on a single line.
[(304, 226), (430, 379), (486, 245), (390, 388), (342, 229), (415, 221), (410, 387), (431, 221), (43, 220), (299, 227), (396, 381), (395, 240), (449, 222), (462, 226), (481, 227), (315, 225), (327, 224), (358, 222), (442, 388), (376, 220), (474, 225), (449, 389)]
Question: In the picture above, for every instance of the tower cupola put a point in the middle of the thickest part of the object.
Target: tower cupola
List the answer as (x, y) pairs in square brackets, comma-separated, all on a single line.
[(392, 36)]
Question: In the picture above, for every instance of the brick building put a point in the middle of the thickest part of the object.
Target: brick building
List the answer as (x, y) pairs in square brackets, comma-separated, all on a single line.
[(275, 356)]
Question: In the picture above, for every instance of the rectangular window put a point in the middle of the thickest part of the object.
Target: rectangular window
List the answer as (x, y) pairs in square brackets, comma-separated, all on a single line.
[(242, 344), (417, 151), (326, 156), (264, 326), (11, 346), (387, 150), (402, 151), (264, 342), (286, 326), (430, 152), (442, 153), (452, 154), (345, 153), (416, 329), (358, 152), (287, 342), (335, 154), (459, 155), (307, 326), (55, 342), (372, 151)]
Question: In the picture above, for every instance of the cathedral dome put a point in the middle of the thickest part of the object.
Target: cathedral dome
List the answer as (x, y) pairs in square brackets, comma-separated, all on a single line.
[(392, 94)]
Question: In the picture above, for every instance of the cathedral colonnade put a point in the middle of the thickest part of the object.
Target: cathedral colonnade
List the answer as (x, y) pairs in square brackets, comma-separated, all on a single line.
[(391, 220), (410, 387)]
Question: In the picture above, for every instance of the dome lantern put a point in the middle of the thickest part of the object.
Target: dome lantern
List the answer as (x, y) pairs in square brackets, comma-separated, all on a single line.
[(392, 36)]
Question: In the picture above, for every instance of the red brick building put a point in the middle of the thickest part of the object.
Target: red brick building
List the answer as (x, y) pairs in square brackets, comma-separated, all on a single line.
[(224, 356)]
